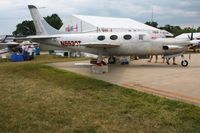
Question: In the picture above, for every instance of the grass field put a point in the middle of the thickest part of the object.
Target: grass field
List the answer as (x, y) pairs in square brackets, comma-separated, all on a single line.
[(38, 98)]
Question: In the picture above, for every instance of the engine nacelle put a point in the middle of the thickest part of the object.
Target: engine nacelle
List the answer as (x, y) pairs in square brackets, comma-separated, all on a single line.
[(171, 47)]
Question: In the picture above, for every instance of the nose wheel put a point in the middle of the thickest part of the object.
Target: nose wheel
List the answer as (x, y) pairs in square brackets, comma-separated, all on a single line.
[(184, 63)]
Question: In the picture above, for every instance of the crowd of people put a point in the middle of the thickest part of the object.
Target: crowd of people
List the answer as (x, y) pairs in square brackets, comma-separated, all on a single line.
[(163, 58), (27, 50)]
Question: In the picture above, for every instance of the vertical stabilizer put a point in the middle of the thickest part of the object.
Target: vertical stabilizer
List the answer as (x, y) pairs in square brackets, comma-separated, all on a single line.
[(41, 26)]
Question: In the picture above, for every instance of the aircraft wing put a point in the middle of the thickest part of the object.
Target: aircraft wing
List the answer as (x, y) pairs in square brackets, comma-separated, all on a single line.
[(100, 45), (4, 51), (37, 37), (9, 43)]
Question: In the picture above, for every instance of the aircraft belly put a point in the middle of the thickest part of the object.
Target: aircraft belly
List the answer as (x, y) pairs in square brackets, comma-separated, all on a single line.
[(176, 51), (125, 49)]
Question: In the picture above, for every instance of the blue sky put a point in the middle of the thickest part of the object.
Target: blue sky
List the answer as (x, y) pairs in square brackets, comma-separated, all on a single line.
[(175, 12)]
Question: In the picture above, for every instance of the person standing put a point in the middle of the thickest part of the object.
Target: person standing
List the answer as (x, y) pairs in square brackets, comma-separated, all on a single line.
[(174, 63), (151, 57)]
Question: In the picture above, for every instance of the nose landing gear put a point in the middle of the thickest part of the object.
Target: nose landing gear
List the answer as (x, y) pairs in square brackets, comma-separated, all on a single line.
[(184, 62)]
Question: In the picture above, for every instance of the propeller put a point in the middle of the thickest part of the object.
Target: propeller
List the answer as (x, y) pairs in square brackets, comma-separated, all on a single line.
[(192, 36)]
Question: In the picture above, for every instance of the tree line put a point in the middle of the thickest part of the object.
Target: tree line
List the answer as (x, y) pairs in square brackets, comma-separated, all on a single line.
[(27, 27), (175, 30)]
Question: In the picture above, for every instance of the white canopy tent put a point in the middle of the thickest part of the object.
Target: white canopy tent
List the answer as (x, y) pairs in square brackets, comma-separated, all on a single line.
[(82, 23)]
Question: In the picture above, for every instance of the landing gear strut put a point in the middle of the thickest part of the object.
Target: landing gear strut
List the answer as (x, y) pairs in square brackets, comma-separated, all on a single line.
[(184, 62), (111, 60), (100, 61), (100, 66)]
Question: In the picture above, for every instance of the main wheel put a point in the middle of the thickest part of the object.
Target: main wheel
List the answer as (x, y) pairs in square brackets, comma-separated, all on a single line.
[(184, 63), (111, 60)]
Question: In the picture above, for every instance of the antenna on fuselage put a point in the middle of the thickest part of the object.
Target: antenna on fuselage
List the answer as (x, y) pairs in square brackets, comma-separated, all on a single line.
[(152, 15)]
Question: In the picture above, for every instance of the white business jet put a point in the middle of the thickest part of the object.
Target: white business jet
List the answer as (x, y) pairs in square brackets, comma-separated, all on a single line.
[(109, 44)]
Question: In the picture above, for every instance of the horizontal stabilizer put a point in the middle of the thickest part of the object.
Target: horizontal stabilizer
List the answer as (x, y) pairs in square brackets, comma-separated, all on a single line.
[(9, 43)]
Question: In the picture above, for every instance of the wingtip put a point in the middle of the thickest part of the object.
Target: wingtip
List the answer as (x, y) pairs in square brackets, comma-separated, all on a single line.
[(31, 6)]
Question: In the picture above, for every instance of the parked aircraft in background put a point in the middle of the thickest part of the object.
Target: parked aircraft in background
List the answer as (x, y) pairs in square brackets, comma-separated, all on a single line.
[(4, 52), (109, 44), (196, 36), (7, 44), (186, 35)]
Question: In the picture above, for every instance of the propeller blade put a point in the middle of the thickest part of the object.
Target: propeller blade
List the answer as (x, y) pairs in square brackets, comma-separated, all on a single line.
[(192, 36)]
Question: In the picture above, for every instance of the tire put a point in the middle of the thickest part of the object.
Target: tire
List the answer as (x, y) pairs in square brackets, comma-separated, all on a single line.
[(111, 60), (184, 63)]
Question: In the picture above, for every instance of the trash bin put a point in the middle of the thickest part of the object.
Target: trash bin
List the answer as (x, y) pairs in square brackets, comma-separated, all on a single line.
[(37, 51), (17, 57)]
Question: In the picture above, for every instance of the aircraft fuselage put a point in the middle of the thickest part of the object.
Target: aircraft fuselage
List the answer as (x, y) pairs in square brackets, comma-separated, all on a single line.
[(136, 43)]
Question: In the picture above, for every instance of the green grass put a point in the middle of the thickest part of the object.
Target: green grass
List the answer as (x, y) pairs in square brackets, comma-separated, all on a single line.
[(47, 59), (38, 98)]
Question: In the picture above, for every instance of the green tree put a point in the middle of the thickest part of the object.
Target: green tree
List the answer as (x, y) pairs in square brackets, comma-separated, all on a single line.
[(198, 29), (27, 27), (55, 21), (175, 30), (153, 24), (189, 30)]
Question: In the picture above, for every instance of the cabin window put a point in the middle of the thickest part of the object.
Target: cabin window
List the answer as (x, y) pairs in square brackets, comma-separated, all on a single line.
[(101, 38), (113, 37), (127, 37), (141, 37)]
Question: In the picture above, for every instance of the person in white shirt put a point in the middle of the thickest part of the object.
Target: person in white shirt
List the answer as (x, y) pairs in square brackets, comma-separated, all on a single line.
[(31, 50)]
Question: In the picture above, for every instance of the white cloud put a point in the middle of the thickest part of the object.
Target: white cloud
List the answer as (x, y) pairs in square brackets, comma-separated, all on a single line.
[(174, 12)]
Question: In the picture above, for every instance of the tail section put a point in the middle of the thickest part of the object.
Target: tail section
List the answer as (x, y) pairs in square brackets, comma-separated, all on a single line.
[(41, 26)]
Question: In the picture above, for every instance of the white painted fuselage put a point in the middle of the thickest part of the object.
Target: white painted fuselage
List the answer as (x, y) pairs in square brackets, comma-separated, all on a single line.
[(140, 43)]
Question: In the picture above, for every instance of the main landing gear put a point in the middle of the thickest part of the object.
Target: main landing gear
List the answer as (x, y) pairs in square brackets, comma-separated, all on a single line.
[(99, 61), (100, 66), (111, 60)]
